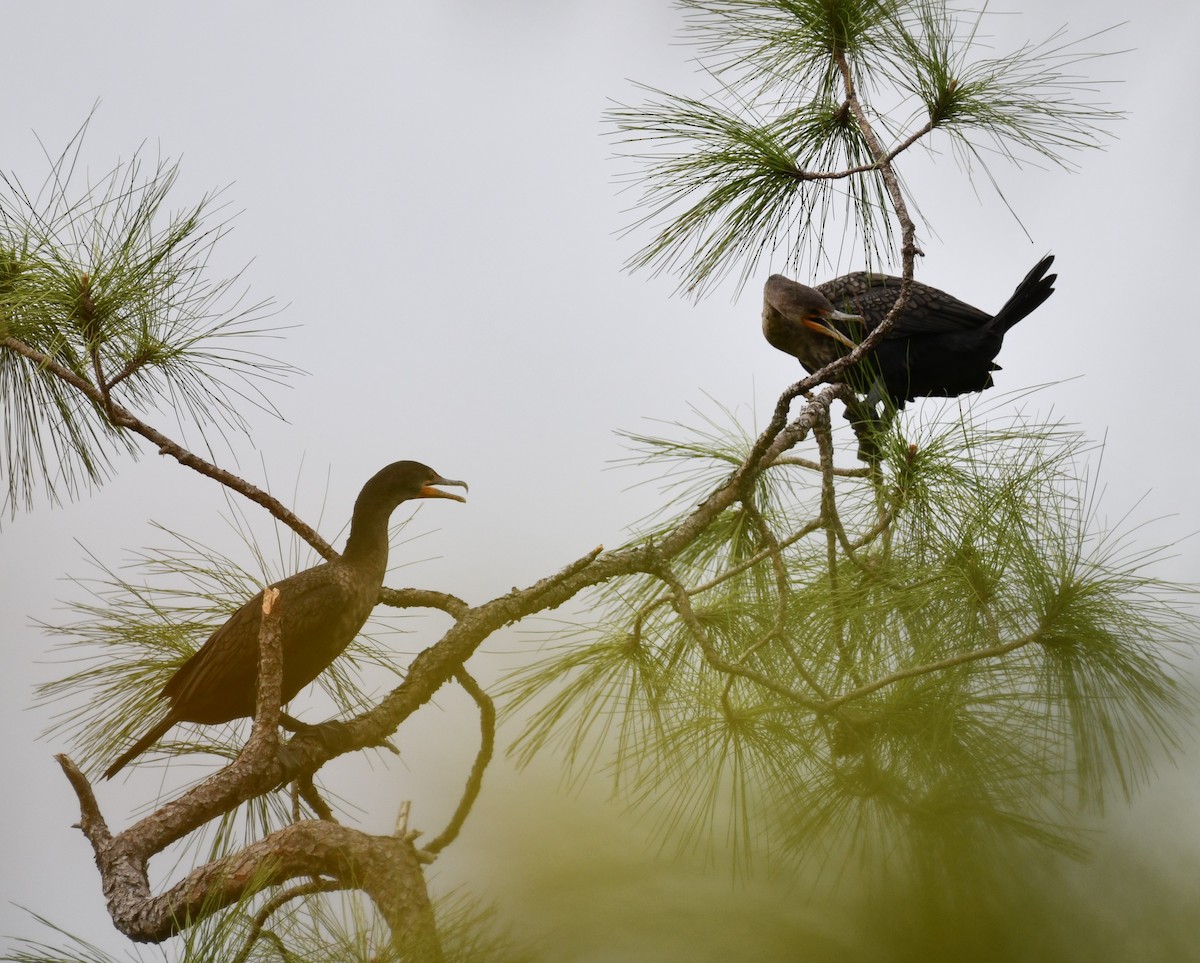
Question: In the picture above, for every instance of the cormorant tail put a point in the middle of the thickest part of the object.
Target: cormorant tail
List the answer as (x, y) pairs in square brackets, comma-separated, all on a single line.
[(1028, 296), (156, 732)]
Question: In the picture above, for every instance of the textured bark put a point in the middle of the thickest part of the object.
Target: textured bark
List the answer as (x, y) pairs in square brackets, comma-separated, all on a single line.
[(387, 869)]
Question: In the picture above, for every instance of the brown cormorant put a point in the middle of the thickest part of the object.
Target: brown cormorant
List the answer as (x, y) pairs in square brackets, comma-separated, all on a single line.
[(937, 346), (322, 610)]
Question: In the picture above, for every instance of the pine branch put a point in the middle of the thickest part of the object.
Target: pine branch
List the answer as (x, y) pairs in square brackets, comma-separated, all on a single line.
[(122, 418)]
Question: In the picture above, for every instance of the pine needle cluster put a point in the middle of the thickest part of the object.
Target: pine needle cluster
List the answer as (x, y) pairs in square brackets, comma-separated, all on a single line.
[(110, 295), (772, 161), (945, 655)]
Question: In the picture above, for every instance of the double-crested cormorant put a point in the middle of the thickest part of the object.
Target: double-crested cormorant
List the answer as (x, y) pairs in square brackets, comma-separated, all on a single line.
[(322, 610), (938, 346)]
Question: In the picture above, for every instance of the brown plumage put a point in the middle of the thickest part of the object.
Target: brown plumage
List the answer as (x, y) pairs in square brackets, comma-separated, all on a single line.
[(322, 609)]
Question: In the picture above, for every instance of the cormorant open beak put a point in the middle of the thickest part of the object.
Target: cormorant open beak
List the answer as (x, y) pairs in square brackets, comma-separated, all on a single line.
[(821, 328), (427, 491)]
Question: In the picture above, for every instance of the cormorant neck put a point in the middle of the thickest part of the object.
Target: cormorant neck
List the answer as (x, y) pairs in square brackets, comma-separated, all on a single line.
[(368, 540)]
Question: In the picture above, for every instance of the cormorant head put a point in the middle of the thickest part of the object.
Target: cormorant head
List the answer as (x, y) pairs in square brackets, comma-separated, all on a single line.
[(403, 480), (797, 303)]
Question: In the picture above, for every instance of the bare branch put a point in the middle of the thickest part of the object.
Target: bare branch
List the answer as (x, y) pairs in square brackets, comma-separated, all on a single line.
[(816, 466), (304, 849), (306, 789), (91, 823), (277, 901), (264, 736), (411, 598), (487, 742)]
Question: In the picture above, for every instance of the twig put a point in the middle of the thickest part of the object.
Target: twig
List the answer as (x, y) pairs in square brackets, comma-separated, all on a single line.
[(306, 789), (783, 593), (91, 821), (908, 247), (120, 417), (487, 742), (786, 438), (878, 165), (929, 667), (410, 598), (816, 466), (684, 607), (830, 516), (274, 903), (806, 529), (831, 523)]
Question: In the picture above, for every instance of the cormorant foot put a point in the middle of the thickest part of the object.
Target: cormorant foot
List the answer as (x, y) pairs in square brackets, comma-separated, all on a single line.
[(330, 736), (867, 425)]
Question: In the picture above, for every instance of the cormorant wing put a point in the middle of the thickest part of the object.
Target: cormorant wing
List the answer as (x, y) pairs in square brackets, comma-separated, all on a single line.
[(313, 607), (928, 311)]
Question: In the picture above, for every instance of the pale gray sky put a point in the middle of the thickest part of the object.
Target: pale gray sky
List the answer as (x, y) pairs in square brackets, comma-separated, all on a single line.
[(426, 190)]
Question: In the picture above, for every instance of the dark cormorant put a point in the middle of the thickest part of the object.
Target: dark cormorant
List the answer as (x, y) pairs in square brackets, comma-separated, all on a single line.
[(322, 610), (938, 346)]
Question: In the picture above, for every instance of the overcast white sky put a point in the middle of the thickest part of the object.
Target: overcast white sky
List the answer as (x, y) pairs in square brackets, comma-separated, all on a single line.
[(426, 190)]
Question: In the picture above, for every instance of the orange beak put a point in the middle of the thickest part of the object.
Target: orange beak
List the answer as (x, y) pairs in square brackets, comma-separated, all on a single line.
[(427, 491), (829, 332)]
